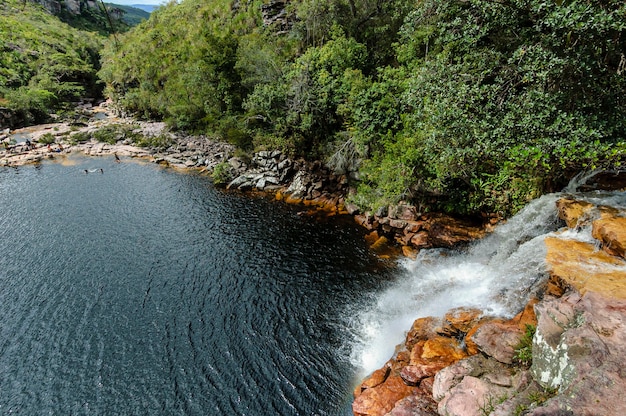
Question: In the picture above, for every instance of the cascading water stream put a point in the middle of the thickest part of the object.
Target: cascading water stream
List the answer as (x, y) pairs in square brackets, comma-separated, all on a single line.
[(497, 274)]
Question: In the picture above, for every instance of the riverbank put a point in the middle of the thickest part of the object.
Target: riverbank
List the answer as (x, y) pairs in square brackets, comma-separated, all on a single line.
[(396, 230), (464, 363)]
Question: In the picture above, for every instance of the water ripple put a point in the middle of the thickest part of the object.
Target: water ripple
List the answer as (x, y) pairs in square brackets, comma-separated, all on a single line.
[(143, 291)]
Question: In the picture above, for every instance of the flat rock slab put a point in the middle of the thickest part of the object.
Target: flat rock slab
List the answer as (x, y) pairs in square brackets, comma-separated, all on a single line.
[(584, 267)]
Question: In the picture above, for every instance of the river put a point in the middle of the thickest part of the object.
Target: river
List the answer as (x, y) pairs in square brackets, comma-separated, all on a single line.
[(140, 290), (126, 288)]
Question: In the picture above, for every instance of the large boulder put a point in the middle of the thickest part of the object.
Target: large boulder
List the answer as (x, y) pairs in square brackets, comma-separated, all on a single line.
[(579, 348)]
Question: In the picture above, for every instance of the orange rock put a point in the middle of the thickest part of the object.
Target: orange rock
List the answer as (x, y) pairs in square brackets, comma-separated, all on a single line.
[(378, 377), (401, 359), (416, 353), (443, 349), (292, 200), (420, 240), (470, 346), (580, 265), (380, 244), (526, 316), (409, 252), (446, 231), (421, 330), (573, 212), (556, 287), (611, 231), (372, 237), (379, 400), (413, 226), (462, 319)]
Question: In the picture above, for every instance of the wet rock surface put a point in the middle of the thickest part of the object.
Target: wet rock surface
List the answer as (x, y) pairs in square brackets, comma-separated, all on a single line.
[(577, 349)]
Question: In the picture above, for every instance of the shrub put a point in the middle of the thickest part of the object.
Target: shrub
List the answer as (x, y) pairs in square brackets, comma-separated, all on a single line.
[(524, 350), (221, 174)]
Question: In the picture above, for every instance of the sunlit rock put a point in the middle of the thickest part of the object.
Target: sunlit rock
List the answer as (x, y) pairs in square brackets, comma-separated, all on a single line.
[(381, 399), (461, 320), (610, 229), (574, 212), (421, 330), (586, 268), (443, 349)]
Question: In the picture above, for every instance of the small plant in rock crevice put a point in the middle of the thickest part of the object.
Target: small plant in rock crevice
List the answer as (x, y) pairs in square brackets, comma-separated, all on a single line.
[(524, 350)]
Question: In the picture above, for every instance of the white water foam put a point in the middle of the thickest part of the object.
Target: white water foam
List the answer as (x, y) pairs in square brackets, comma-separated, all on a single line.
[(497, 274)]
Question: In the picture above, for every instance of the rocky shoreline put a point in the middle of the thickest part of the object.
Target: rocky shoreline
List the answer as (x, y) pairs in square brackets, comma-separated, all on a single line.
[(463, 363), (309, 184)]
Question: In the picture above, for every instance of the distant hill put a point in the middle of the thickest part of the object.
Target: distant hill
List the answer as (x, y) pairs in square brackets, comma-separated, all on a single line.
[(46, 64), (146, 7), (133, 15)]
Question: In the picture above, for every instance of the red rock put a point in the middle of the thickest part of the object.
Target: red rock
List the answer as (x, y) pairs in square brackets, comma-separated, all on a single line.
[(581, 345), (452, 375), (413, 226), (498, 340), (449, 232), (399, 224), (403, 211), (470, 397), (427, 385), (379, 400), (421, 240), (413, 374), (418, 404)]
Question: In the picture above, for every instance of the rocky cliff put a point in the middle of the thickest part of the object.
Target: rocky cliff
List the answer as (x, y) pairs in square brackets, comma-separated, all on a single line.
[(74, 7)]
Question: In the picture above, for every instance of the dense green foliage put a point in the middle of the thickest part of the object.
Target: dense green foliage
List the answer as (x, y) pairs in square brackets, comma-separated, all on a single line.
[(466, 106), (44, 63)]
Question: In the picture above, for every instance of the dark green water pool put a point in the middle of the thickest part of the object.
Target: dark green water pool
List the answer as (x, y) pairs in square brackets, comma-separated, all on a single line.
[(143, 291)]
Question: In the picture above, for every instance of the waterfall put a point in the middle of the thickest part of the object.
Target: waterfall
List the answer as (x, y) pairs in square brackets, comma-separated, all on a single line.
[(497, 274)]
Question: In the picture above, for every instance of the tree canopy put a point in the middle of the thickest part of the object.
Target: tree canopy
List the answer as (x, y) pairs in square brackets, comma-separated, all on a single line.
[(463, 105)]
